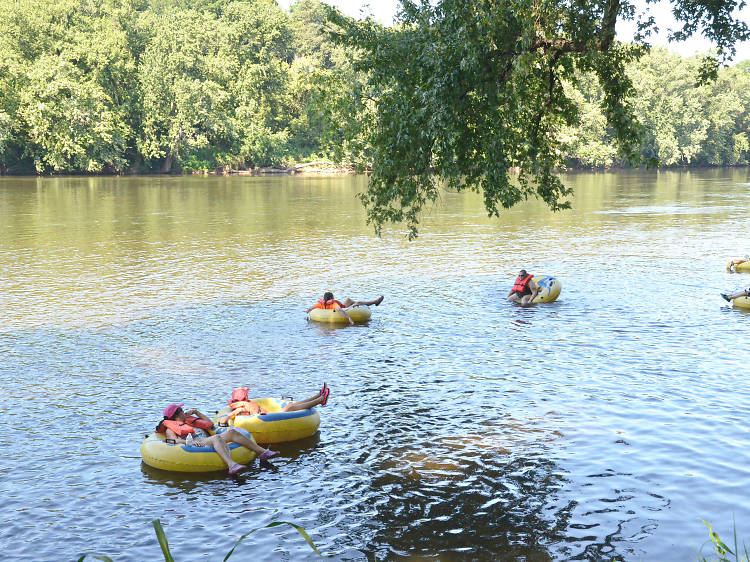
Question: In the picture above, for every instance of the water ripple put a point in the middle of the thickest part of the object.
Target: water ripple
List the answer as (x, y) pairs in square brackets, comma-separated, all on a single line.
[(605, 425)]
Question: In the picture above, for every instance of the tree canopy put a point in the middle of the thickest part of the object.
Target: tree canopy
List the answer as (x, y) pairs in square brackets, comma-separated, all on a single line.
[(466, 93), (161, 85)]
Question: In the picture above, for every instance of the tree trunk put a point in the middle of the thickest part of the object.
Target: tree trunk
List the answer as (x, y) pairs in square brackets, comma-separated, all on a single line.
[(166, 166)]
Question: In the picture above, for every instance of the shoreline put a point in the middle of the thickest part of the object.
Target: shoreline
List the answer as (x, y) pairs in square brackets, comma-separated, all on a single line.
[(313, 168), (321, 168)]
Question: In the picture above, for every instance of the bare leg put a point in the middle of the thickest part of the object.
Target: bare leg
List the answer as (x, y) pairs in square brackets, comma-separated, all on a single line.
[(376, 302), (234, 436), (526, 299), (303, 404), (736, 295), (513, 298), (221, 448)]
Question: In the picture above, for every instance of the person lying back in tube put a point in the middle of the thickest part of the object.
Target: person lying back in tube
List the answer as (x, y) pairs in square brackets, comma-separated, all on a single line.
[(178, 425), (328, 302), (241, 405)]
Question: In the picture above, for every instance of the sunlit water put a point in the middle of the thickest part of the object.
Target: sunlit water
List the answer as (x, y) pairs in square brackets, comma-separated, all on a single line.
[(607, 424)]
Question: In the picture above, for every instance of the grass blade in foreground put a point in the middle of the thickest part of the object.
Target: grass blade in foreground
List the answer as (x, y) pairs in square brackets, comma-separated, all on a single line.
[(300, 530), (721, 549), (162, 541)]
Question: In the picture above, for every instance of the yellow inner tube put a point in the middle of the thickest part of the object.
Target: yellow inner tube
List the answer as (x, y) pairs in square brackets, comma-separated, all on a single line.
[(158, 453), (744, 266), (275, 426), (741, 302), (549, 288), (359, 314)]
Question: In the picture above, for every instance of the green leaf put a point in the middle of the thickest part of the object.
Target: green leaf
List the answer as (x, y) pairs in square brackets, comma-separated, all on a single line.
[(299, 529), (162, 538)]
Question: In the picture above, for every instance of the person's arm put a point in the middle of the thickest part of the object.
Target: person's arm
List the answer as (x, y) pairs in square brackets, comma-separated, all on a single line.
[(309, 309), (197, 414), (342, 311), (230, 416), (534, 289), (172, 435)]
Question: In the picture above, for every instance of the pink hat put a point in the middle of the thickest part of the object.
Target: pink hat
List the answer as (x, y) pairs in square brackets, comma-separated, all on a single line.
[(171, 409)]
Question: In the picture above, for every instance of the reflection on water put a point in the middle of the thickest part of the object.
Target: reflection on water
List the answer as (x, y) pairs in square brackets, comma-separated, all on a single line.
[(604, 425)]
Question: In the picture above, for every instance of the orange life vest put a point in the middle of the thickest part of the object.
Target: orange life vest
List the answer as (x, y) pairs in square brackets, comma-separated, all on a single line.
[(181, 429), (328, 304), (249, 408), (521, 285)]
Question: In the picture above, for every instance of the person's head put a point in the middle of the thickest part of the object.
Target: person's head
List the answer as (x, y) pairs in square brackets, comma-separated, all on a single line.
[(327, 296), (239, 394), (174, 412), (522, 273)]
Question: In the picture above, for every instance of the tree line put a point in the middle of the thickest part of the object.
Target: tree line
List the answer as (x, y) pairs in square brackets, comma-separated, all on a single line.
[(142, 86)]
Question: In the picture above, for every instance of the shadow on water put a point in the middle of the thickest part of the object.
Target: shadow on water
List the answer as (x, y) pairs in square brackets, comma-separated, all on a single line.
[(331, 329), (477, 509), (459, 511)]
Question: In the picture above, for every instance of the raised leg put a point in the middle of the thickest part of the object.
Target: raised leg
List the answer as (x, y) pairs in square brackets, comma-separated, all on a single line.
[(234, 436), (221, 448), (303, 404), (376, 302)]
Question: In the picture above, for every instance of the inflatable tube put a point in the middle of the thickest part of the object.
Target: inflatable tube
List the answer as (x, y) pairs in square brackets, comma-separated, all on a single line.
[(549, 288), (275, 426), (741, 302), (158, 453), (359, 314), (743, 267)]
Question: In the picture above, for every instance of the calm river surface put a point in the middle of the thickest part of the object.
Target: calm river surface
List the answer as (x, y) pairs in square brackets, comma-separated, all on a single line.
[(606, 424)]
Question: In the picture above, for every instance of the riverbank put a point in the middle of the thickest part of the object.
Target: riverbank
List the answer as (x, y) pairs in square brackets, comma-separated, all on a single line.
[(319, 168)]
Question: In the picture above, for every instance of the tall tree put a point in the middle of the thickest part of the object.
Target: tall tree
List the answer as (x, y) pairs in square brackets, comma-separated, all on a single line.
[(326, 102), (467, 91)]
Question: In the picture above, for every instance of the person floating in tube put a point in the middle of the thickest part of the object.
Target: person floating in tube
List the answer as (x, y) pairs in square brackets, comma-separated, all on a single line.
[(524, 289), (177, 425), (328, 302), (241, 404)]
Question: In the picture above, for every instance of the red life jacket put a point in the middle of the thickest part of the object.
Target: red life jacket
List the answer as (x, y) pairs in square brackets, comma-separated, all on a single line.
[(521, 285), (328, 304), (181, 429), (249, 408)]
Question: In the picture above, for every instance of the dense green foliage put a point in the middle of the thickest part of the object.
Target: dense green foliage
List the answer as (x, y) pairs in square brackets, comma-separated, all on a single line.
[(168, 85), (467, 92), (683, 122), (157, 85)]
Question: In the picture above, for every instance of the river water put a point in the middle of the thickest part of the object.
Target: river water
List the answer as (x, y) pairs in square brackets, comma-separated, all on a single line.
[(605, 425)]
